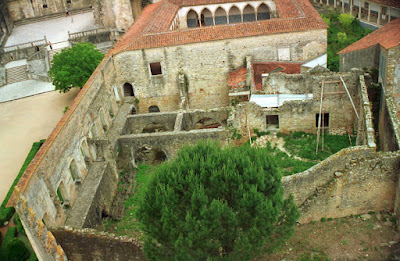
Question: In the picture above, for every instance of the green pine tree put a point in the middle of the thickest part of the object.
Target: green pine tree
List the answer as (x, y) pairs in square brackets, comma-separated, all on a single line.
[(215, 203)]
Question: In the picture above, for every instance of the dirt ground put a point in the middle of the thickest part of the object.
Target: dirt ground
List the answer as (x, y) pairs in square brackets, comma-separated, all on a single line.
[(23, 122), (370, 237)]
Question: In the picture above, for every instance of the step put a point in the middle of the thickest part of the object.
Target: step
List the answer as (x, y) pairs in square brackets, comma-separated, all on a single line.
[(17, 74), (50, 16)]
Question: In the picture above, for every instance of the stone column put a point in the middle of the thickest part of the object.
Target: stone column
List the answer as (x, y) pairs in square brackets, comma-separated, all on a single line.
[(351, 6), (378, 21), (327, 2), (369, 12), (334, 3), (320, 1), (390, 14), (359, 9), (342, 6)]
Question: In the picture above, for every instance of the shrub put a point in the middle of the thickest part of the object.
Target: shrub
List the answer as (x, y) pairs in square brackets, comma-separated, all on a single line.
[(10, 235), (215, 203), (5, 214), (16, 250), (346, 20)]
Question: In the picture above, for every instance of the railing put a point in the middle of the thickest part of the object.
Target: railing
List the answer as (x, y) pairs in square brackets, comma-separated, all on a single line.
[(72, 36), (25, 45)]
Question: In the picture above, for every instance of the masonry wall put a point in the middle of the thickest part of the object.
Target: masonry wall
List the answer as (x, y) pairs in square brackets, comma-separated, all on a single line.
[(389, 138), (21, 9), (206, 67), (392, 83), (114, 13), (365, 58), (301, 115), (356, 180)]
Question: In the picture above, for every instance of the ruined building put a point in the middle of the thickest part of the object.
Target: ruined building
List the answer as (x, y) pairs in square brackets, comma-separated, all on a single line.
[(168, 82)]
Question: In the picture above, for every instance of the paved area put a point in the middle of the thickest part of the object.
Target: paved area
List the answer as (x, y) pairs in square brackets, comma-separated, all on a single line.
[(24, 89), (56, 30), (23, 122)]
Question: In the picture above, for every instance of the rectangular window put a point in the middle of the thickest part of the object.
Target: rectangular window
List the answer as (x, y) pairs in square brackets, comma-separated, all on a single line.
[(155, 68), (324, 120), (384, 10), (272, 121), (45, 6)]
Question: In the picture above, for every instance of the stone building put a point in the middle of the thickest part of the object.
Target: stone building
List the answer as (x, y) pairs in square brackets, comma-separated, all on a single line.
[(175, 62)]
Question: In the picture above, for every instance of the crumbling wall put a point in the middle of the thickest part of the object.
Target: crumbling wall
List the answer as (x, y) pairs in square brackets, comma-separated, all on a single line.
[(87, 244), (365, 132), (389, 133), (136, 124), (353, 181), (205, 66)]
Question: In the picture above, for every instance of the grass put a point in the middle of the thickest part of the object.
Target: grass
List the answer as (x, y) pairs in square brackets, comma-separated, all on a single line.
[(129, 226), (303, 145)]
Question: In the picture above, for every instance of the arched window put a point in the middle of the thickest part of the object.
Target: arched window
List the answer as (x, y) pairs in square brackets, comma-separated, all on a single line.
[(74, 171), (154, 109), (103, 120), (192, 19), (220, 16), (249, 14), (206, 18), (128, 89), (263, 12), (133, 111), (154, 127), (234, 15), (148, 155), (62, 194), (206, 123)]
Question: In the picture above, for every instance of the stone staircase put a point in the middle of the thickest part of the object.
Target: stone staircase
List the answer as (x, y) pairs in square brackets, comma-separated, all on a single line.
[(50, 16), (17, 74)]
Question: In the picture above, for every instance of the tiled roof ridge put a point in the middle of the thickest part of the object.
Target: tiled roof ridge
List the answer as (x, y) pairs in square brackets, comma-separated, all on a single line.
[(164, 3)]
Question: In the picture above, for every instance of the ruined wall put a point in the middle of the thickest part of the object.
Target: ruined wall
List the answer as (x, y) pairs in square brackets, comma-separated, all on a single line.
[(168, 142), (103, 246), (365, 131), (136, 124), (22, 9), (365, 58), (389, 138), (392, 82), (353, 181), (205, 65), (6, 23), (45, 178), (301, 115)]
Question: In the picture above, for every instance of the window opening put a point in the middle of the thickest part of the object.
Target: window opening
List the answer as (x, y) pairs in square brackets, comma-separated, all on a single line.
[(155, 68)]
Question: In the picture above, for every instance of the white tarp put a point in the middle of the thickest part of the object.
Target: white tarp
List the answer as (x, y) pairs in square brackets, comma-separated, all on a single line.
[(276, 100)]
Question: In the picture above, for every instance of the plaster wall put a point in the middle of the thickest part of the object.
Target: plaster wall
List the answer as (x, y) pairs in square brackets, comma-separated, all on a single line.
[(365, 58), (206, 66)]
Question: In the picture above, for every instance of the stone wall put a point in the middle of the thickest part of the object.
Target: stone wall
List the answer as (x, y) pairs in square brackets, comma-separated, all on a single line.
[(136, 124), (205, 67), (301, 115), (114, 13), (22, 9), (353, 181), (6, 23), (86, 244), (365, 131), (389, 133), (365, 58), (392, 83)]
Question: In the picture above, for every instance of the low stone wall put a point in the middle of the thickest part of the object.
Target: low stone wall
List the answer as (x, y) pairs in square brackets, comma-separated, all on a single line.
[(190, 118), (389, 124), (365, 132), (353, 181), (136, 124), (88, 244)]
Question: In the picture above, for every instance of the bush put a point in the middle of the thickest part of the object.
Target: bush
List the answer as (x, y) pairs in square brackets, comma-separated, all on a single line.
[(18, 222), (10, 235), (5, 214), (215, 203), (346, 20), (16, 250)]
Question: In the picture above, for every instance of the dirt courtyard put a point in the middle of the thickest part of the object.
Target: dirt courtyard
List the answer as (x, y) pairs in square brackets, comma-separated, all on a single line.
[(23, 122)]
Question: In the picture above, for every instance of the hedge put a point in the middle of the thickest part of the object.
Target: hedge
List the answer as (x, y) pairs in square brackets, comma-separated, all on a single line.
[(10, 234), (16, 250), (5, 215)]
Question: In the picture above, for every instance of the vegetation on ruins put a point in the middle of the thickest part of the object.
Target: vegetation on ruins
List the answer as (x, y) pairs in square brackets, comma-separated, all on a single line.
[(72, 67), (343, 31), (213, 202)]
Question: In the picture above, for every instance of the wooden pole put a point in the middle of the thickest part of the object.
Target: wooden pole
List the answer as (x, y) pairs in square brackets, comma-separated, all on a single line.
[(351, 100), (319, 116)]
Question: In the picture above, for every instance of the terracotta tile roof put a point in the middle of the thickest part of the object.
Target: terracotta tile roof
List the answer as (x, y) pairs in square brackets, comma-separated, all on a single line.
[(387, 36), (152, 28), (283, 67), (237, 78), (394, 3)]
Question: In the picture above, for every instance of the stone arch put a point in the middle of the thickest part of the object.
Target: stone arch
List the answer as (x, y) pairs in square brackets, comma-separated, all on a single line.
[(148, 155), (192, 19), (206, 123), (235, 16), (94, 131), (154, 108), (74, 171), (128, 90), (110, 109), (220, 16), (62, 194), (84, 148), (263, 12), (154, 127), (249, 13), (133, 111), (103, 119), (206, 17)]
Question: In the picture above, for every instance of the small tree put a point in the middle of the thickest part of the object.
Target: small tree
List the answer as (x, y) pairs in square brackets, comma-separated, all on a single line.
[(215, 203), (72, 67)]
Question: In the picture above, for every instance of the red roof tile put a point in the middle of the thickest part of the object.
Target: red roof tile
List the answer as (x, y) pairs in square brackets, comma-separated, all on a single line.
[(387, 36), (394, 3), (261, 68), (152, 28), (237, 78)]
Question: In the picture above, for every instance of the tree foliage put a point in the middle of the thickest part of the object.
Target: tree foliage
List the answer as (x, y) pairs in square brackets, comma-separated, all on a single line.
[(72, 67), (343, 30), (214, 203), (17, 250)]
